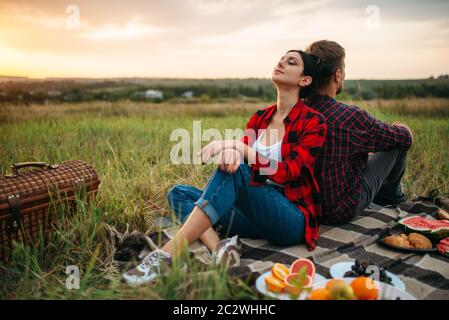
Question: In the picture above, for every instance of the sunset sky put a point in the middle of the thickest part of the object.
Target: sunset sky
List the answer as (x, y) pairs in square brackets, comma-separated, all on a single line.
[(218, 38)]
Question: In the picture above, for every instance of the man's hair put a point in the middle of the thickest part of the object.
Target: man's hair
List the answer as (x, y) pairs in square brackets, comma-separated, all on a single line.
[(332, 58)]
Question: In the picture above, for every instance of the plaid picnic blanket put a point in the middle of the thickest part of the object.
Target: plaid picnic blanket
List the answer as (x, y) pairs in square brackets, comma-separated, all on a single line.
[(426, 276)]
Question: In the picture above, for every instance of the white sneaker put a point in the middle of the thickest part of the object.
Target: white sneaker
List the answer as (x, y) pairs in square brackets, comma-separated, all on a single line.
[(153, 265), (228, 252)]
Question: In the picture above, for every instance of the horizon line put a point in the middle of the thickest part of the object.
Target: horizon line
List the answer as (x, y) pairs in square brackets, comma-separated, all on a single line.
[(194, 78)]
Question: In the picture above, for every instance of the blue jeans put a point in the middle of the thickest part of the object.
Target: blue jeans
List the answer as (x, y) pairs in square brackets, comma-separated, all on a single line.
[(236, 208)]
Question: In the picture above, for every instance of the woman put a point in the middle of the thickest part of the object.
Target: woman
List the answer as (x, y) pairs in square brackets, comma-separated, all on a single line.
[(264, 186)]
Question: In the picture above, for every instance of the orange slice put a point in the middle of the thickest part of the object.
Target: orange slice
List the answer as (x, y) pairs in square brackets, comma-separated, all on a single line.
[(279, 271), (274, 284), (319, 294)]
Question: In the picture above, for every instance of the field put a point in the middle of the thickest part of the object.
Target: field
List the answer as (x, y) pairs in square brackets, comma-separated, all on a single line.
[(128, 144)]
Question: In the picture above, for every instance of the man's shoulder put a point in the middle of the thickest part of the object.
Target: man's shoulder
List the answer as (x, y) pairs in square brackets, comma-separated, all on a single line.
[(340, 106), (338, 112)]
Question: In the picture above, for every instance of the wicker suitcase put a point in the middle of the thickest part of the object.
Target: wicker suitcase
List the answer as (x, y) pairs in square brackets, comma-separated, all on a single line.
[(25, 198)]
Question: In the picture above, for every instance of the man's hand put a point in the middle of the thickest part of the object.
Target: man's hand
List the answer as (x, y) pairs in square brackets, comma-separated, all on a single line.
[(229, 160), (213, 148), (400, 124)]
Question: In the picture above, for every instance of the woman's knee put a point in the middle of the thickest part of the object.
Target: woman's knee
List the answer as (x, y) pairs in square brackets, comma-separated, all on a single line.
[(176, 197), (173, 193)]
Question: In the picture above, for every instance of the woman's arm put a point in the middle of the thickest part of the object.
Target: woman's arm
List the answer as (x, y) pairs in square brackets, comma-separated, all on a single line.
[(214, 148)]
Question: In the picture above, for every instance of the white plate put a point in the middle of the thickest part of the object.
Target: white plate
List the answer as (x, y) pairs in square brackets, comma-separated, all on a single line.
[(260, 285), (339, 269), (386, 291)]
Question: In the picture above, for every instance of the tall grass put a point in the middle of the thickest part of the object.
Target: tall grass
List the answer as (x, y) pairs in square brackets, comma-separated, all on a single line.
[(128, 144)]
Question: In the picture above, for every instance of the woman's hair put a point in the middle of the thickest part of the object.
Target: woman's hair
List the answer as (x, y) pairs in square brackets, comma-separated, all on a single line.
[(311, 68), (332, 58)]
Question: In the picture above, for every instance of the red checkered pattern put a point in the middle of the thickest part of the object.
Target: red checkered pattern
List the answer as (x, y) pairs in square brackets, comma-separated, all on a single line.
[(305, 132)]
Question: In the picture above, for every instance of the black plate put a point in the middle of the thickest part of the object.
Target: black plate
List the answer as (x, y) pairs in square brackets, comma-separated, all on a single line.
[(396, 231)]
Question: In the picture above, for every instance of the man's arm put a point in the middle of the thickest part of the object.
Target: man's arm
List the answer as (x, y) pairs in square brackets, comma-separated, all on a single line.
[(397, 123), (369, 134)]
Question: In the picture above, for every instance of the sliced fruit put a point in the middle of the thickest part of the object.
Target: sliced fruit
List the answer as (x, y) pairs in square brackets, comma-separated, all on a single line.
[(339, 290), (274, 284), (300, 263), (319, 294), (294, 284), (431, 228), (443, 246), (279, 271), (365, 288), (334, 282)]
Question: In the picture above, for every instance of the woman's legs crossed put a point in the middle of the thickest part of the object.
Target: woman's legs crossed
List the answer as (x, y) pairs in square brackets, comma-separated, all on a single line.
[(182, 198), (269, 213)]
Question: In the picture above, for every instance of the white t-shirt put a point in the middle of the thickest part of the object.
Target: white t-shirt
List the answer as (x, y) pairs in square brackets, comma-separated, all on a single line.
[(272, 151)]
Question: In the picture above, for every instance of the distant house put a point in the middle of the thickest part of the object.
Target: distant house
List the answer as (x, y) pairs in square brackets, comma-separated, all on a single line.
[(154, 94), (54, 93), (188, 94)]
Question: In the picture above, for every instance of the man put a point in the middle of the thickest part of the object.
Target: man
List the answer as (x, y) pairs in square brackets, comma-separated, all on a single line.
[(363, 159)]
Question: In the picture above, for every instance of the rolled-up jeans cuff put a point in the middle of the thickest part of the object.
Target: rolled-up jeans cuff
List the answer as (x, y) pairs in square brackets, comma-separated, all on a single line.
[(208, 209)]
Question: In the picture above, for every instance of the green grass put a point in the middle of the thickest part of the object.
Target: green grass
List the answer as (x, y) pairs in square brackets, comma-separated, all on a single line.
[(128, 144)]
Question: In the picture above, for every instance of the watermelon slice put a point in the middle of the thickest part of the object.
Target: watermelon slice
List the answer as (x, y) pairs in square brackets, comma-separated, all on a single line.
[(298, 264), (431, 228), (443, 246)]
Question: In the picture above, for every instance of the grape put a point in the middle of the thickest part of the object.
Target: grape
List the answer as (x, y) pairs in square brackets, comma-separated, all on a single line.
[(359, 269)]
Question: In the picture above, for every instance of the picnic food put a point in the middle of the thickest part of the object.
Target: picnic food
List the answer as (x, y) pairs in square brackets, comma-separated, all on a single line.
[(361, 288), (279, 271), (339, 290), (300, 263), (293, 281), (419, 241), (274, 284), (443, 246), (283, 278), (319, 294), (398, 241), (412, 241), (431, 228), (359, 269), (365, 288)]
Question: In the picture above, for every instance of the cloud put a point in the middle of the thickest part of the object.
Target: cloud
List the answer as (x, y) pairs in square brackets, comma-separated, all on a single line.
[(130, 30), (218, 38)]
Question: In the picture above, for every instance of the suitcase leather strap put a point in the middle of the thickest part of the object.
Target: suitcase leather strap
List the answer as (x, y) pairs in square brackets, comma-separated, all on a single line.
[(16, 214)]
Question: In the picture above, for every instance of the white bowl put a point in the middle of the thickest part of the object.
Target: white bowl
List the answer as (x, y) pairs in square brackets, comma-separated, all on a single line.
[(339, 269)]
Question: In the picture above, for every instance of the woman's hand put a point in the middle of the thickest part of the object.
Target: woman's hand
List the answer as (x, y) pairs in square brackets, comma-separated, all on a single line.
[(229, 160), (213, 148)]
